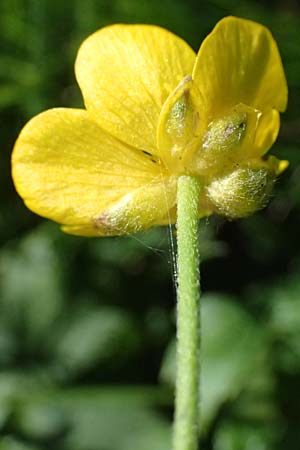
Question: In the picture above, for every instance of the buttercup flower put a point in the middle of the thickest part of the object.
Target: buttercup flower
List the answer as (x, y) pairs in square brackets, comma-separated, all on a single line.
[(154, 111)]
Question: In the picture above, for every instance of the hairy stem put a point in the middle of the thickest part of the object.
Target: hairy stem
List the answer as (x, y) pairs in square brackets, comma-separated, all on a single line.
[(188, 317)]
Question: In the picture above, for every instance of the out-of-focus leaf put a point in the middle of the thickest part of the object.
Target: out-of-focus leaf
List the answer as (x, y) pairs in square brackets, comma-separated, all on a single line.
[(121, 426), (258, 402), (107, 418), (283, 303), (232, 347), (11, 443), (9, 95), (40, 420), (254, 418), (8, 344), (14, 387), (240, 436), (94, 336), (31, 290)]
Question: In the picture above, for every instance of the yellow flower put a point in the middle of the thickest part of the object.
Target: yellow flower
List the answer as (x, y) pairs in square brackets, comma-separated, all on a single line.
[(154, 111)]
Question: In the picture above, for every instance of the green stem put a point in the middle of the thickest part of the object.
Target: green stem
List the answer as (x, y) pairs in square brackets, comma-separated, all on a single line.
[(186, 424)]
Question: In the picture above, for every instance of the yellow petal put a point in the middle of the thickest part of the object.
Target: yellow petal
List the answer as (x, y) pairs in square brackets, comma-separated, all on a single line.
[(266, 132), (126, 73), (239, 62), (66, 168)]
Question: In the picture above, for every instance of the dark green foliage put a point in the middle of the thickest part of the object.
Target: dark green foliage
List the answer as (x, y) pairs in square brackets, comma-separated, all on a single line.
[(87, 325)]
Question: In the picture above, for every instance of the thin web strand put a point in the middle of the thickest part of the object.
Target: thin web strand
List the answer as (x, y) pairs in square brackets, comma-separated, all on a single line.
[(172, 250)]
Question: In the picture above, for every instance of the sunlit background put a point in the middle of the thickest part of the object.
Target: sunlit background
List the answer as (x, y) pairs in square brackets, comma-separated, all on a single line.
[(87, 325)]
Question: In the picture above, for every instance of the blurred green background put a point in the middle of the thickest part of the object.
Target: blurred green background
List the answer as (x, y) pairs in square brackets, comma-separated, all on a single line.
[(87, 325)]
